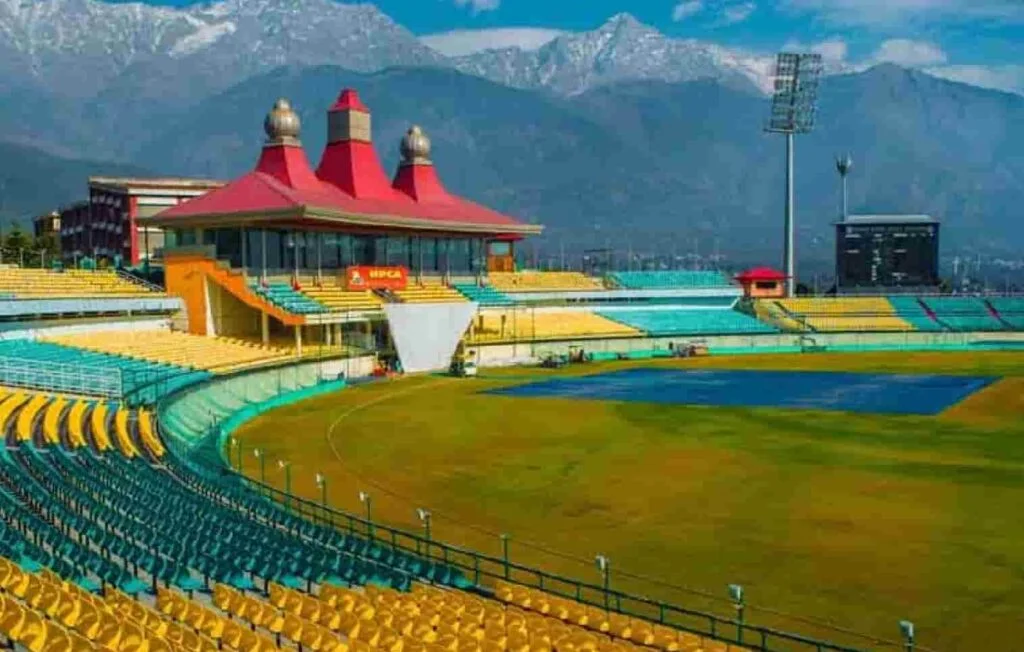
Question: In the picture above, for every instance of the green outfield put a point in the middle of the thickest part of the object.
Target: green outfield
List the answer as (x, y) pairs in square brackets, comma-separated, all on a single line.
[(860, 520)]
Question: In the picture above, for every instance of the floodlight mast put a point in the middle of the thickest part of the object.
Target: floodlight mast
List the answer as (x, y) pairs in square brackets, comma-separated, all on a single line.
[(793, 108)]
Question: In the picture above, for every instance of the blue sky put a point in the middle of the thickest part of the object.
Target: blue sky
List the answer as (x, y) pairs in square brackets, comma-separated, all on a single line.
[(981, 41)]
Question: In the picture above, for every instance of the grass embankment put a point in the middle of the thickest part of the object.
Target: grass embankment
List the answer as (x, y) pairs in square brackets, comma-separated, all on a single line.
[(856, 519)]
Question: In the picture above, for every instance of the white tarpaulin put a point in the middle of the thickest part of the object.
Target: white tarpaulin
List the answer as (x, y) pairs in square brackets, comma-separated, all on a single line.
[(426, 334)]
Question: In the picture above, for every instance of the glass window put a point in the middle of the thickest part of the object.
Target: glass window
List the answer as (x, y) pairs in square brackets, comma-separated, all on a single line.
[(499, 248), (398, 252), (458, 256), (362, 250), (428, 254)]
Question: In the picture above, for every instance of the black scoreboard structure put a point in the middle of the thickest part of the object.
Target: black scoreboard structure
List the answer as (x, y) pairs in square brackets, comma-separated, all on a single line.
[(877, 253)]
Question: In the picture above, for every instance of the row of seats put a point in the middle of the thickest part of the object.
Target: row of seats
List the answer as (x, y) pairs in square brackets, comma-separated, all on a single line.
[(429, 618), (328, 293), (176, 348), (429, 292), (543, 281), (669, 279), (668, 322), (74, 283), (42, 612), (485, 295), (27, 361), (532, 325), (285, 296), (78, 422), (1010, 310), (964, 313), (896, 313), (846, 314), (120, 516)]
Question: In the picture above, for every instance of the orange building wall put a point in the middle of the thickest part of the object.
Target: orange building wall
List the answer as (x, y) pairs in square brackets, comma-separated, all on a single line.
[(751, 290), (186, 274)]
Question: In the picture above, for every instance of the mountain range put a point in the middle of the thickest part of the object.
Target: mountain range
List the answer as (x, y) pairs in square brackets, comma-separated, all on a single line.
[(619, 135)]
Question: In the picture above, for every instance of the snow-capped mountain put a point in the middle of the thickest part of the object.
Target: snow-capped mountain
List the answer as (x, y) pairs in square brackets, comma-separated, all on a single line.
[(620, 50), (78, 47)]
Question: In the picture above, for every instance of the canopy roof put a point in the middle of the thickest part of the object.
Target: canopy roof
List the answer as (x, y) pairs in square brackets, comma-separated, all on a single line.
[(349, 186), (760, 274)]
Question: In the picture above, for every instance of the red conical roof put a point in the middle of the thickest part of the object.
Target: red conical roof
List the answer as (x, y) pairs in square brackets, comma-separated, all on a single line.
[(349, 101)]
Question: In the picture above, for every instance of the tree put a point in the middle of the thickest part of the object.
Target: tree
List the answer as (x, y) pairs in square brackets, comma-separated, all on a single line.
[(15, 242), (46, 249)]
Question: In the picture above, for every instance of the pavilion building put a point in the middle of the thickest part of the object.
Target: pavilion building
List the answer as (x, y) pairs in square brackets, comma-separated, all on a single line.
[(281, 245)]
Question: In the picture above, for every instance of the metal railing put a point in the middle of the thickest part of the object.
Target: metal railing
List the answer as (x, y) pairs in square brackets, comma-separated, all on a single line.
[(61, 377), (485, 571)]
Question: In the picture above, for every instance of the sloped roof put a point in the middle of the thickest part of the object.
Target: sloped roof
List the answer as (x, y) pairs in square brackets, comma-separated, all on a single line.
[(761, 274), (348, 187)]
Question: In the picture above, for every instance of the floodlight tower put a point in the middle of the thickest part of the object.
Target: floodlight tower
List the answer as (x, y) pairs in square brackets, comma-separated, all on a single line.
[(794, 103), (844, 164)]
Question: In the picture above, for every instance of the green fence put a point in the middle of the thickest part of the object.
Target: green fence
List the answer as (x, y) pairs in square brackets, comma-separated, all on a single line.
[(485, 570)]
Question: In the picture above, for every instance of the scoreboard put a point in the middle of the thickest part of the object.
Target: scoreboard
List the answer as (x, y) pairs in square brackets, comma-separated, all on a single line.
[(875, 252)]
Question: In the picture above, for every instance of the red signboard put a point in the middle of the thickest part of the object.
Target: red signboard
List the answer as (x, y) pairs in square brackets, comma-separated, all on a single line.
[(366, 277)]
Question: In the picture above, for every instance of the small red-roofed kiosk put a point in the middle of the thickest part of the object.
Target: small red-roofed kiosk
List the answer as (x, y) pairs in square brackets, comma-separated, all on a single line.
[(762, 283)]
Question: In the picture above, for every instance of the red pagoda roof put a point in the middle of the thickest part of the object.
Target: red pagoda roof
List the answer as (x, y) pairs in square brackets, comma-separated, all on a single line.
[(761, 274), (348, 187)]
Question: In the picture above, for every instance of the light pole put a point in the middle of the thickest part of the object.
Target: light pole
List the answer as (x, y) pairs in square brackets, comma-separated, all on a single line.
[(321, 481), (504, 553), (424, 516), (604, 566), (367, 500), (287, 468), (793, 107), (263, 465), (907, 629), (237, 445), (736, 593)]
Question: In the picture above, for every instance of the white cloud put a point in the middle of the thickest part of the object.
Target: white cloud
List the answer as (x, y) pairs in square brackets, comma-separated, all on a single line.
[(900, 12), (687, 8), (737, 13), (479, 5), (1008, 77), (462, 42), (908, 52), (833, 50)]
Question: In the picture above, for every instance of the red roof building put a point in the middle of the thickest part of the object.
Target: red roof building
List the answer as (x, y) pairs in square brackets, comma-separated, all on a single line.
[(283, 215), (762, 282)]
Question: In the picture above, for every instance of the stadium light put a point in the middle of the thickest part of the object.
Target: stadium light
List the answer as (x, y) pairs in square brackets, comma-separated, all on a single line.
[(321, 481), (604, 566), (424, 516), (504, 552), (793, 108), (907, 629), (263, 465), (736, 594), (366, 499), (287, 468), (238, 453)]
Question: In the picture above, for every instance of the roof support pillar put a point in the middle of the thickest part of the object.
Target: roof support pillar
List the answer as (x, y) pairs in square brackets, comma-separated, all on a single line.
[(245, 251), (298, 340), (319, 257), (263, 255), (265, 328)]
